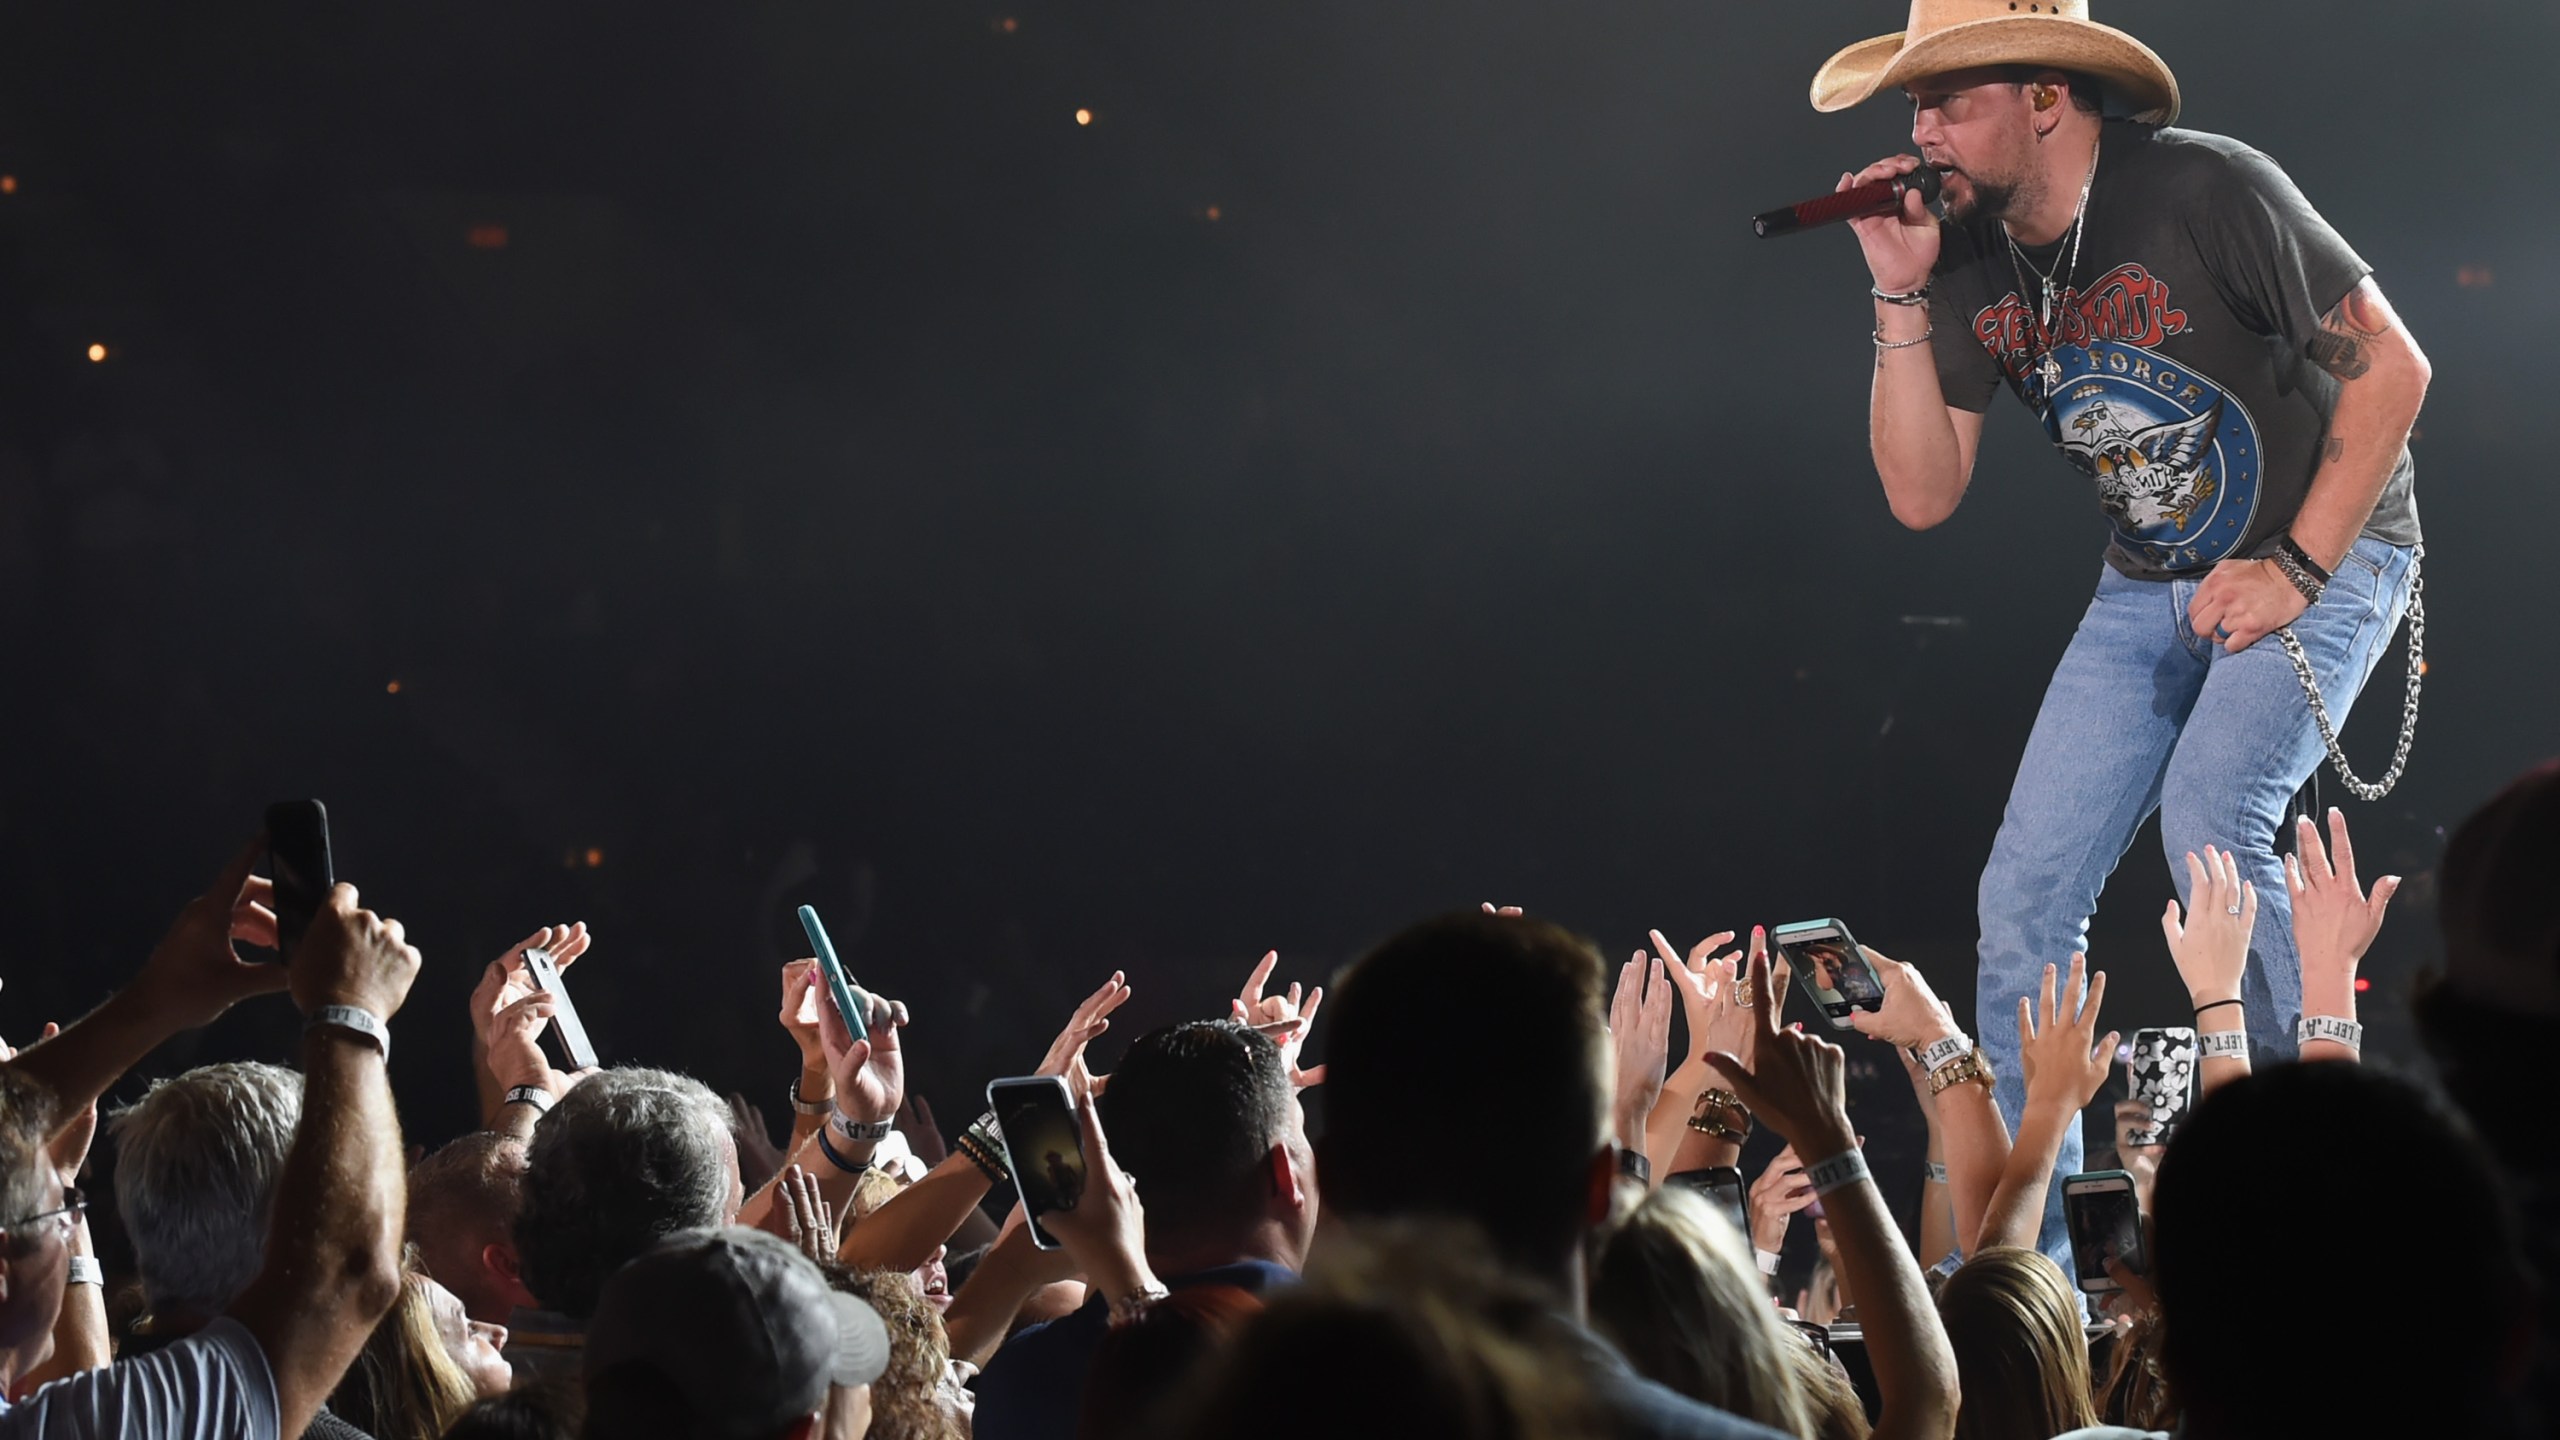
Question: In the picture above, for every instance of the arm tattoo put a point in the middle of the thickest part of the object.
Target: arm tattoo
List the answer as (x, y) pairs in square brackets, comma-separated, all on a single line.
[(2344, 345), (2331, 449)]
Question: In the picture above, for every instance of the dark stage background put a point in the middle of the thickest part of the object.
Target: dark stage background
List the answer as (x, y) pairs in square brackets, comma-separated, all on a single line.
[(777, 453)]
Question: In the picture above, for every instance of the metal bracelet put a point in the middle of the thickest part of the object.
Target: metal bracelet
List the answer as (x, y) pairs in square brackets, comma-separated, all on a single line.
[(2374, 790), (2298, 576), (1884, 344), (1905, 297), (823, 1105)]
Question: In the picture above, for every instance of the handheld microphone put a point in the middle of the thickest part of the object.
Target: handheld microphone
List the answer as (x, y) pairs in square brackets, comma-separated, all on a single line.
[(1876, 197)]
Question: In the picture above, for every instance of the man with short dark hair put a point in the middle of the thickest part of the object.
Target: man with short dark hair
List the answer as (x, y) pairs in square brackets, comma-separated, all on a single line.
[(631, 1156), (1206, 1113), (1530, 1161), (463, 1201), (729, 1334)]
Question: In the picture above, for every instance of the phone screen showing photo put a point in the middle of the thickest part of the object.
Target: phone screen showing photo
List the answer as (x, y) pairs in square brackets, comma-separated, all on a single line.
[(1044, 1146), (2105, 1225), (1833, 970)]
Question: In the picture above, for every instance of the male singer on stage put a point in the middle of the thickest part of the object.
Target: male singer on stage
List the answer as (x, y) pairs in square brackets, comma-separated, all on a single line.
[(2219, 366)]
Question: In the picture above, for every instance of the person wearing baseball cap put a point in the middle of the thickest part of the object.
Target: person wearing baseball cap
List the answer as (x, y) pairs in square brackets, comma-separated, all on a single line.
[(729, 1334), (2218, 365)]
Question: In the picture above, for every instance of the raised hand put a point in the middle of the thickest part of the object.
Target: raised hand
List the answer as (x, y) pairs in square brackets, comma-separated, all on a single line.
[(1086, 1025), (757, 1154), (514, 1055), (2334, 921), (807, 1220), (2212, 947), (799, 1014), (351, 956), (506, 983), (194, 973), (1281, 1017), (2065, 1065), (1640, 1038), (1106, 1230), (1912, 1015), (1704, 982), (1776, 1196), (2142, 1162), (924, 1137), (870, 1074), (1795, 1083)]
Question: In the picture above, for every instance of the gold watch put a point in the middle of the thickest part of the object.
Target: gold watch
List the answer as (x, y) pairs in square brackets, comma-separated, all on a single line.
[(1974, 1066), (1706, 1121)]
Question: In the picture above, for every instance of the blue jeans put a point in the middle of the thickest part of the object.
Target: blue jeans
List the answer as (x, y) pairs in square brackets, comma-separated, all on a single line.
[(2144, 716)]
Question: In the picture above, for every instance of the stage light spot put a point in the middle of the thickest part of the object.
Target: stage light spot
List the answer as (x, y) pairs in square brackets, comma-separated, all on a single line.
[(595, 858), (1211, 214), (8, 184), (97, 354), (486, 237), (391, 689), (1084, 117), (2362, 984), (2475, 277), (1007, 25)]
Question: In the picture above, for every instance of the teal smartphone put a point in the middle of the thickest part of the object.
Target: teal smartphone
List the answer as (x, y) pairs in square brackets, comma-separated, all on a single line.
[(849, 1000)]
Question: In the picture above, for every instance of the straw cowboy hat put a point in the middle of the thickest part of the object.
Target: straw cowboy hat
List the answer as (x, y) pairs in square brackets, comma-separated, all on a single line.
[(1947, 35)]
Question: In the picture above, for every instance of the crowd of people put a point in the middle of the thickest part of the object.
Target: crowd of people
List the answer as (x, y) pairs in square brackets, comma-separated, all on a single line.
[(1523, 1216)]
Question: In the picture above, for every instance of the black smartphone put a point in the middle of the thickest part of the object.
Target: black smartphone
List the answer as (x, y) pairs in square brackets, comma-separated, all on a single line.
[(1722, 1186), (564, 1041), (1831, 968), (298, 863), (2104, 1217), (1043, 1145)]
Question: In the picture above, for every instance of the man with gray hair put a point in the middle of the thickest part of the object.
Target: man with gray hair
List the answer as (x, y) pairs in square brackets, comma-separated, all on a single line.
[(331, 1270), (196, 1164), (628, 1158)]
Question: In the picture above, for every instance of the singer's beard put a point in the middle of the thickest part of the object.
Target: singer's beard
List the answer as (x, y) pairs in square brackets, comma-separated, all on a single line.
[(1981, 200)]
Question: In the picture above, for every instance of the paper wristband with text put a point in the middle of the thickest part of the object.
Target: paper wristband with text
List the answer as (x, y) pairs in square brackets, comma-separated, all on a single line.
[(349, 1017), (1946, 1052), (1838, 1172), (2223, 1045), (2330, 1027)]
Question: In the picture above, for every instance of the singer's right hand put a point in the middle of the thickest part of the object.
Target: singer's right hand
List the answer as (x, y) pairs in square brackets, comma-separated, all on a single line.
[(1901, 249)]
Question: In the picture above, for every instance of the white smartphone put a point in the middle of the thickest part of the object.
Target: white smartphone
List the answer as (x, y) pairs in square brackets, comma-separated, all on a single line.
[(2105, 1220), (1831, 968)]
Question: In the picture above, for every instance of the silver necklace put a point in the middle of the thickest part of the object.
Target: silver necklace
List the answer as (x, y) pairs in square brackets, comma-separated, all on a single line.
[(2052, 282)]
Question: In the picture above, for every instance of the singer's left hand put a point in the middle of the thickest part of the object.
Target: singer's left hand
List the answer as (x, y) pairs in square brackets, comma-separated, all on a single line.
[(2243, 602)]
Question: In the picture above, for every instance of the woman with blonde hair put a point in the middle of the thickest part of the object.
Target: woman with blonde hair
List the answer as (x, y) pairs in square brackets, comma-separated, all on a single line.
[(407, 1383), (1674, 1288), (2022, 1357)]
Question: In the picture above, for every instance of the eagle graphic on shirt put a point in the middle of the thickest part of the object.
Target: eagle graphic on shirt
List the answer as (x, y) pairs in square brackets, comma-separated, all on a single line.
[(2174, 454), (2149, 477)]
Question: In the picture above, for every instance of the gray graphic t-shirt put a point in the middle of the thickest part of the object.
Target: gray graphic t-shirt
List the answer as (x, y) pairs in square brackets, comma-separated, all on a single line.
[(2176, 373)]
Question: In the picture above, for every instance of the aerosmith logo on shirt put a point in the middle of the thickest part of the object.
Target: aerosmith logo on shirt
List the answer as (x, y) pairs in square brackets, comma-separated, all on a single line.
[(2174, 454)]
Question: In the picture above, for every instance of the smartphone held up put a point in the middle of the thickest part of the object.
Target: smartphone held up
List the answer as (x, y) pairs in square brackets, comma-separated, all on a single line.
[(299, 864), (1044, 1146), (2104, 1218), (1834, 972)]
